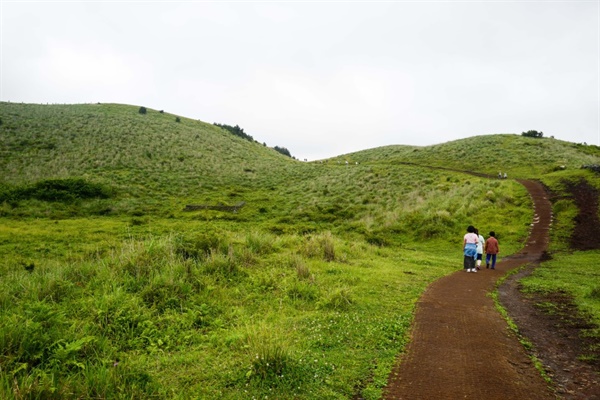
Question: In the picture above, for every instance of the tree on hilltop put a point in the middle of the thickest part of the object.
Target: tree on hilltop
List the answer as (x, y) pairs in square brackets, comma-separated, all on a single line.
[(282, 150), (534, 134), (236, 130)]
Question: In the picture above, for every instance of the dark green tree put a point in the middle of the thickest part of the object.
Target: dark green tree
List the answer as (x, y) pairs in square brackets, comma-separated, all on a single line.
[(236, 130), (534, 134), (283, 151)]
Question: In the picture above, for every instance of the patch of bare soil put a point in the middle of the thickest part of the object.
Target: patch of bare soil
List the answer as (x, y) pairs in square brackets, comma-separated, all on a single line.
[(586, 235), (552, 323)]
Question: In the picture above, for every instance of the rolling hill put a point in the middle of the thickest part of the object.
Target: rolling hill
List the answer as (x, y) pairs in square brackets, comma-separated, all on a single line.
[(109, 288)]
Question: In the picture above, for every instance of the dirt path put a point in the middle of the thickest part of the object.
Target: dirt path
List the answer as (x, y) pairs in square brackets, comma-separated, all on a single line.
[(461, 347)]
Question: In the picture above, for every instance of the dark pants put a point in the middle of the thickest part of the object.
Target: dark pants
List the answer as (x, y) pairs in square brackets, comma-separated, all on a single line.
[(487, 260), (469, 262)]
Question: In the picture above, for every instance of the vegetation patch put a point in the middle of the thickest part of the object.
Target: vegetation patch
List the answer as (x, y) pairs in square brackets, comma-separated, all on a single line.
[(57, 190), (563, 288)]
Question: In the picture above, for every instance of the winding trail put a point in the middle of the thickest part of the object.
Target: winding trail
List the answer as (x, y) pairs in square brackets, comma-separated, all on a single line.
[(461, 347)]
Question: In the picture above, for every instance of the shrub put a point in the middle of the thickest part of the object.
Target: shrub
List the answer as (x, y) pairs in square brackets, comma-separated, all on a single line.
[(235, 130), (143, 110), (59, 190), (534, 134), (282, 150)]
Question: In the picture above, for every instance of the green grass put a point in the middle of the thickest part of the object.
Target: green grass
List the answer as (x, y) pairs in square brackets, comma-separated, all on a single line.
[(574, 276), (574, 273), (217, 325), (520, 157), (305, 292)]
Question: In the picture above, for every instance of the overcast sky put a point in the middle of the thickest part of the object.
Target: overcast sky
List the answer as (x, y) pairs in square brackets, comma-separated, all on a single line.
[(319, 78)]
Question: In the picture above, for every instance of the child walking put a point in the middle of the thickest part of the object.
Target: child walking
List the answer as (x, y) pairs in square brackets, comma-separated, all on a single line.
[(491, 250), (480, 244)]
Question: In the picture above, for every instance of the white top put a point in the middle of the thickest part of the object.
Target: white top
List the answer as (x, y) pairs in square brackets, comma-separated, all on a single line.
[(480, 243)]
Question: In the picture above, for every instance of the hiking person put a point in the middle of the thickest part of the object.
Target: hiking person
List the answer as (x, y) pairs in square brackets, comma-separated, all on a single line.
[(480, 243), (491, 250), (470, 249)]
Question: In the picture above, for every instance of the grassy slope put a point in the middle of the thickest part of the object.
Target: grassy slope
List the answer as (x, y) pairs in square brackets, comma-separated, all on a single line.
[(117, 144), (519, 156), (323, 264)]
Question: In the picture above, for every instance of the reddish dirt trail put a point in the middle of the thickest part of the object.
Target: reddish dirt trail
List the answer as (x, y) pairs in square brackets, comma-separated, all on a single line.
[(461, 347)]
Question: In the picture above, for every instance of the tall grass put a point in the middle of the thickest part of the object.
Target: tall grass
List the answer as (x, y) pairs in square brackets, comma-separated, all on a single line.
[(67, 326)]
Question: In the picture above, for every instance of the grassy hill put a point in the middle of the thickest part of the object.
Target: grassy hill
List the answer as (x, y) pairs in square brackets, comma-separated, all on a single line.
[(519, 156), (118, 145), (110, 289)]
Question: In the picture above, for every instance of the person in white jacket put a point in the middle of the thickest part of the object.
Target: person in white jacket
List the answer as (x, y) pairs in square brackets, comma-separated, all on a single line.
[(480, 243)]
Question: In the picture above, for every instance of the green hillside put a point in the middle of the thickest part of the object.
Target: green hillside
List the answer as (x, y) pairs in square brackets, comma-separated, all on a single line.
[(153, 165), (518, 156), (118, 145), (110, 289)]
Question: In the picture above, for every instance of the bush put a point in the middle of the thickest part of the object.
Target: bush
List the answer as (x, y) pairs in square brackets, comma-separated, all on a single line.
[(143, 110), (282, 150), (534, 134), (58, 190), (236, 130)]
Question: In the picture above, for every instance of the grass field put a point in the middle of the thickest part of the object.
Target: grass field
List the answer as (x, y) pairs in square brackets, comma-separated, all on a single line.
[(111, 290)]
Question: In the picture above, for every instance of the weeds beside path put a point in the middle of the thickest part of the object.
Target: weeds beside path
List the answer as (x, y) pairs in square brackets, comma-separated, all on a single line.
[(461, 347)]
